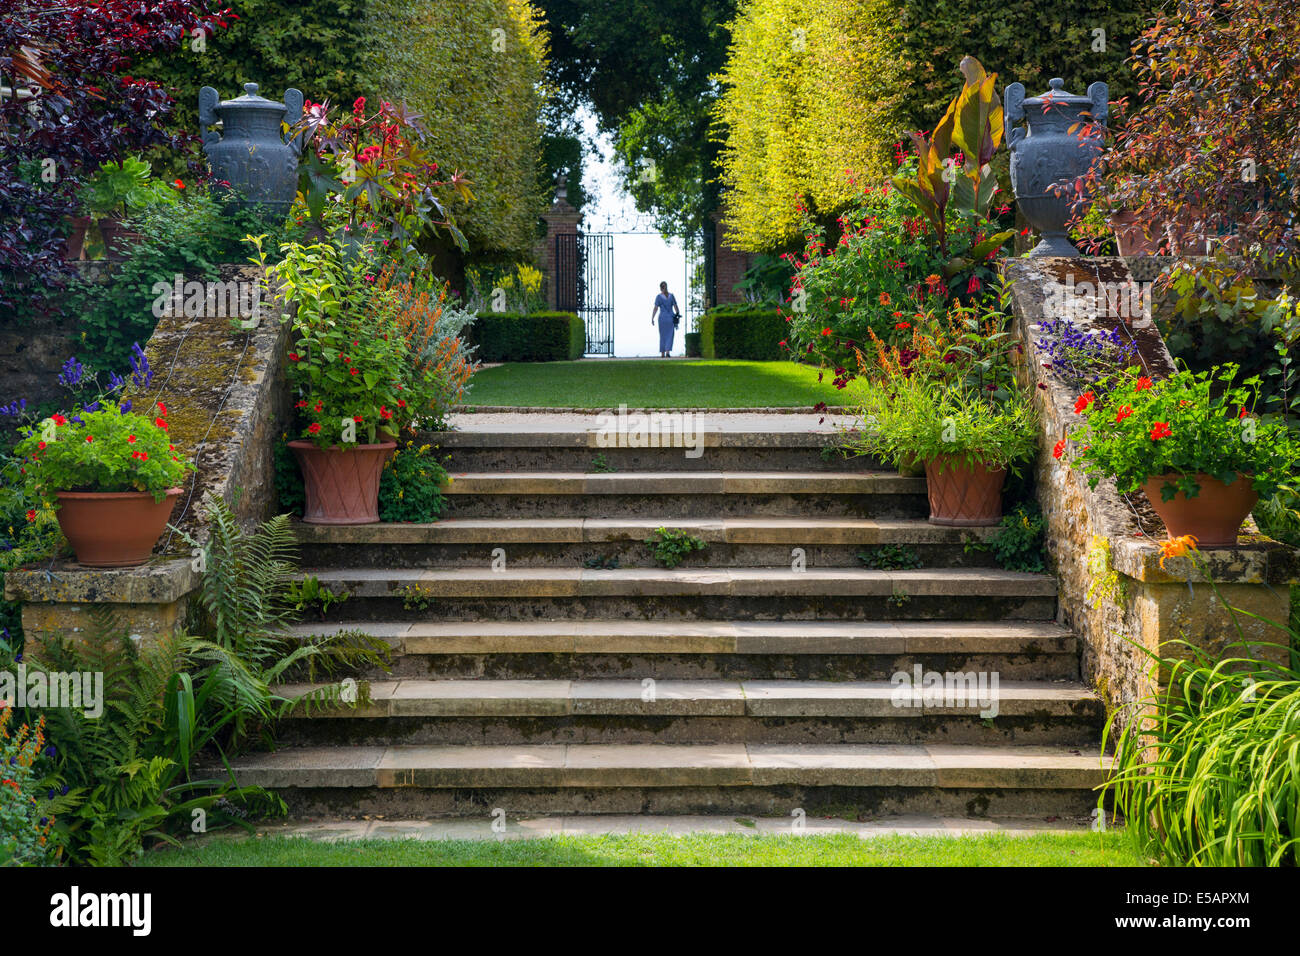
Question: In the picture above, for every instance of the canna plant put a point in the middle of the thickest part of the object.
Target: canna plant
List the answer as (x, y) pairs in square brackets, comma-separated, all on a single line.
[(973, 125)]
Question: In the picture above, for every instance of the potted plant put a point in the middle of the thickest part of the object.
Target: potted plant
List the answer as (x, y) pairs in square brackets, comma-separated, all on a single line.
[(114, 476), (1191, 442), (345, 368), (113, 193), (967, 443)]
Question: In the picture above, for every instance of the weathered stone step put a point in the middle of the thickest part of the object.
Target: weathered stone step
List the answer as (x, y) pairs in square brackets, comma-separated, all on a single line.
[(694, 698), (571, 541), (418, 711), (702, 494), (710, 594), (658, 778), (703, 650), (585, 449)]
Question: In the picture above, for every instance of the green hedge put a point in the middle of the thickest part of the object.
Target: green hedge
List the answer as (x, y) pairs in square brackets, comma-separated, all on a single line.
[(539, 337), (693, 345), (752, 335)]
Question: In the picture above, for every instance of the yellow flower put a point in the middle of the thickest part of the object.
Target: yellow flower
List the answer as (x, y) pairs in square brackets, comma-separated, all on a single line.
[(1176, 547)]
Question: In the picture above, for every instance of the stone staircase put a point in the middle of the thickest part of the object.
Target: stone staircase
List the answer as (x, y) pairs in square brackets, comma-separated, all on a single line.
[(533, 674)]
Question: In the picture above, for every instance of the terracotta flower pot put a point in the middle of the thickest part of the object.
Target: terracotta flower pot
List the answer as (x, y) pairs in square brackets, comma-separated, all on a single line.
[(342, 484), (77, 236), (1129, 237), (1213, 517), (118, 239), (113, 529), (962, 495)]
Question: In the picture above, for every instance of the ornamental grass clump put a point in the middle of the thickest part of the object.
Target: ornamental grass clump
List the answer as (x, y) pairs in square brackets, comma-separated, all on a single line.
[(1210, 776), (1189, 424)]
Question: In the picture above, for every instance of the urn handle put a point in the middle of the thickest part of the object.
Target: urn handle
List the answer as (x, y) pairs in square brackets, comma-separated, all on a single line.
[(1013, 111), (293, 114), (1099, 101), (209, 99)]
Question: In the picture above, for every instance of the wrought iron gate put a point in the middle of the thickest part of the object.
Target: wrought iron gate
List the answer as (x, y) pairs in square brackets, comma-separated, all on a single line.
[(584, 285), (701, 283)]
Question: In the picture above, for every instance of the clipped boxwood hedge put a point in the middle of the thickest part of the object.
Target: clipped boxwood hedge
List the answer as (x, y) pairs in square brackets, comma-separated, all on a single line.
[(539, 337), (752, 335)]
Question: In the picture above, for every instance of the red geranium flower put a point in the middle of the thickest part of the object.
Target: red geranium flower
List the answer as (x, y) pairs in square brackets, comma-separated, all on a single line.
[(162, 408), (160, 423), (90, 438), (1124, 412), (1160, 430), (1086, 399), (1058, 449), (58, 419), (130, 439), (1143, 383), (313, 428), (31, 514), (902, 325), (357, 419)]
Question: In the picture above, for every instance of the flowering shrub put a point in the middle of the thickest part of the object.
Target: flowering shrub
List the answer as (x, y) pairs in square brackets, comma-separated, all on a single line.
[(379, 170), (1188, 424), (884, 268), (103, 447), (25, 819), (410, 486)]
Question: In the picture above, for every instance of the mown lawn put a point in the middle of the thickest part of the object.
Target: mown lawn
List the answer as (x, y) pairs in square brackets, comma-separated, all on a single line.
[(1047, 849), (650, 383)]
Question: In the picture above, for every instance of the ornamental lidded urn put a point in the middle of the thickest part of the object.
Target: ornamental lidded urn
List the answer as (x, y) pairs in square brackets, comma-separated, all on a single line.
[(251, 153), (1050, 159)]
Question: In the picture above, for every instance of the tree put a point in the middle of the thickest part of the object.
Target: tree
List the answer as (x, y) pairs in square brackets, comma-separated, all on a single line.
[(646, 68)]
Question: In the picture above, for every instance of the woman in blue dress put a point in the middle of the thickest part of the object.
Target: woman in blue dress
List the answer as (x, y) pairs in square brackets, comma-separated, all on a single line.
[(665, 308)]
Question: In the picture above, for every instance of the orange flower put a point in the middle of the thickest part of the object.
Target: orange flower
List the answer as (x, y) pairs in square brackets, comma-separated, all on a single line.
[(1176, 547), (884, 298)]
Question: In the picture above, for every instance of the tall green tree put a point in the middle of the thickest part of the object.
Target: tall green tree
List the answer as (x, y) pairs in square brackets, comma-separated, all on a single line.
[(646, 68)]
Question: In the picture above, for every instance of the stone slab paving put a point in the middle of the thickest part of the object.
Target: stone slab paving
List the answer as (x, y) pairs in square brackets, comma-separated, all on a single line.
[(746, 423), (378, 828)]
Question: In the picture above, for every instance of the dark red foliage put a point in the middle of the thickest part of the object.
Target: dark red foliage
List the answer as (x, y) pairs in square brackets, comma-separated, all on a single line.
[(75, 59)]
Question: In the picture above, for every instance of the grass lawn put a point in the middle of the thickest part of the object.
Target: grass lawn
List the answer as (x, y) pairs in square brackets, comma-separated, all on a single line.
[(1046, 849), (651, 383)]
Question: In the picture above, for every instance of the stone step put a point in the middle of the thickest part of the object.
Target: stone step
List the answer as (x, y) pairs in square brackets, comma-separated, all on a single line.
[(711, 594), (418, 711), (667, 778), (686, 698), (570, 541), (680, 649), (710, 447), (702, 494)]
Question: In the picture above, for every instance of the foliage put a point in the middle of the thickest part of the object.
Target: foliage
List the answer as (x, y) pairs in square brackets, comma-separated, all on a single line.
[(601, 464), (1018, 544), (753, 335), (86, 109), (126, 773), (103, 448), (1210, 778), (972, 124), (647, 68), (346, 361), (1078, 356), (1212, 150), (190, 238), (26, 821), (670, 546), (378, 172), (248, 610), (890, 557), (1188, 424), (473, 70), (1025, 40), (914, 420), (117, 189), (308, 594), (872, 281), (410, 486), (767, 280), (1219, 315), (516, 288), (808, 91), (541, 337)]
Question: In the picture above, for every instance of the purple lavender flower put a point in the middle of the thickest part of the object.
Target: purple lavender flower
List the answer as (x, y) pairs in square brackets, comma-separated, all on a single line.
[(72, 372), (1076, 354), (141, 373)]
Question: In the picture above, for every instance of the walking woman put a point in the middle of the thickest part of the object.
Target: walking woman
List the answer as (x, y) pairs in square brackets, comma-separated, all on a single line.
[(669, 315)]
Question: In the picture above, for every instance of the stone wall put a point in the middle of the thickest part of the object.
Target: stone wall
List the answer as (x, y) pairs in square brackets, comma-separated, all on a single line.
[(221, 378), (1113, 592)]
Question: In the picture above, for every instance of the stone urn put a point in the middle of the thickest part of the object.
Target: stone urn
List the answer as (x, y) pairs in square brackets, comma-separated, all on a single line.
[(1063, 140), (251, 153)]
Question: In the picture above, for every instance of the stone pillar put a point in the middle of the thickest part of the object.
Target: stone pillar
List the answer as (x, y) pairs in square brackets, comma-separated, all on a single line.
[(730, 264), (561, 220)]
